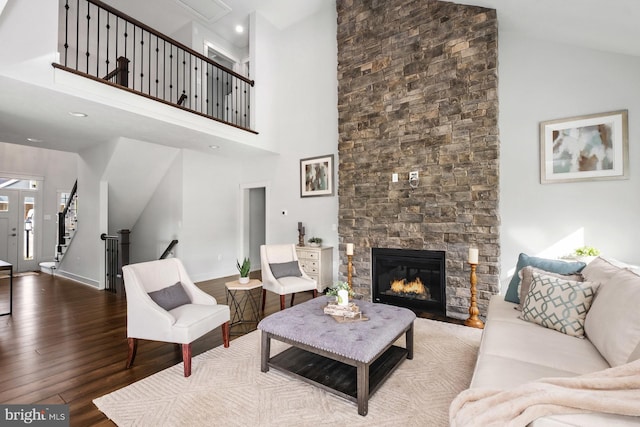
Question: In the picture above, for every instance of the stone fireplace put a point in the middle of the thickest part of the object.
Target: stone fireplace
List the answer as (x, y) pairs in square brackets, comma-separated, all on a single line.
[(408, 278), (417, 92)]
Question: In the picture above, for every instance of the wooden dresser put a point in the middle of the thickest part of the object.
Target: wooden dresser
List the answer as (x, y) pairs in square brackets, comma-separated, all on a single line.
[(318, 264)]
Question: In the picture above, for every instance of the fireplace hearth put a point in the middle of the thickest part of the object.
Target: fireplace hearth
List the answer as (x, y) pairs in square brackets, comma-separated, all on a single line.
[(409, 278)]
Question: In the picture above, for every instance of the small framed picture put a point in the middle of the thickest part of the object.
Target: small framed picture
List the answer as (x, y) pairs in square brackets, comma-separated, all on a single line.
[(585, 148), (316, 176)]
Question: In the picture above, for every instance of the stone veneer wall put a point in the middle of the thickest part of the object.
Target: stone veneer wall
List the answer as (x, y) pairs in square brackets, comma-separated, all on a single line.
[(417, 91)]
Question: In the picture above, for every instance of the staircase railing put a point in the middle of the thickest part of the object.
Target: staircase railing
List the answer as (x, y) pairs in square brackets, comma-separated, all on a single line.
[(158, 67), (67, 223), (116, 254), (167, 251)]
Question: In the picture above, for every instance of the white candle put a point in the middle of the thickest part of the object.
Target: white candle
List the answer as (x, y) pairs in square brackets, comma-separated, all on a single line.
[(349, 248), (473, 256), (343, 297)]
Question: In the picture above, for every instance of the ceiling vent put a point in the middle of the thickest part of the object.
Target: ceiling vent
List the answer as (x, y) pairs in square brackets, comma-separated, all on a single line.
[(209, 10)]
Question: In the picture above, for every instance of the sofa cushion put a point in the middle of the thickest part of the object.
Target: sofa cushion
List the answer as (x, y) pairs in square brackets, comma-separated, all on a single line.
[(510, 337), (613, 322), (601, 270), (526, 276), (170, 297), (552, 265), (558, 303)]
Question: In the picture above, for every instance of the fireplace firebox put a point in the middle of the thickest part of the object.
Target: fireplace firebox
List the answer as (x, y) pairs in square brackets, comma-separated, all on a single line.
[(409, 278)]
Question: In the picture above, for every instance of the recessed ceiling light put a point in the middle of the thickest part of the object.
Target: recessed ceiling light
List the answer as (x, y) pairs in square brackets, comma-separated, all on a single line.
[(36, 140), (77, 114), (239, 29), (214, 147)]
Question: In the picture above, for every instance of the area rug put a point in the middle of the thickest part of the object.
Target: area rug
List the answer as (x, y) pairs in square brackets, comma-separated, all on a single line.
[(226, 388)]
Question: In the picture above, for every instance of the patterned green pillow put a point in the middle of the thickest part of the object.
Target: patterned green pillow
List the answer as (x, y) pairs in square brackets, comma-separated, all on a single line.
[(558, 303)]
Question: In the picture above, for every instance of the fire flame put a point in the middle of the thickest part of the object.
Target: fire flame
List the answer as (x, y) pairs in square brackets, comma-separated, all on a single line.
[(401, 286)]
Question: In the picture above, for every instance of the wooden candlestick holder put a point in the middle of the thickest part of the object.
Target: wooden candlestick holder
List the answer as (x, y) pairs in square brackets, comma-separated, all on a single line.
[(350, 271), (473, 320)]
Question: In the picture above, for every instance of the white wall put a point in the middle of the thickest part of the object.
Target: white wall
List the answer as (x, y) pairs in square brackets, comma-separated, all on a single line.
[(210, 220), (38, 38), (539, 81), (84, 260), (161, 220), (300, 120)]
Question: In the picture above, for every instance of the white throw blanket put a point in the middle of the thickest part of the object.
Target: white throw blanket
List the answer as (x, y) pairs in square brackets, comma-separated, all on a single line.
[(614, 391)]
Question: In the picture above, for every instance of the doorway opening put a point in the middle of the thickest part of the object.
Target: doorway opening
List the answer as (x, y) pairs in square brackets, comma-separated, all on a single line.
[(253, 222)]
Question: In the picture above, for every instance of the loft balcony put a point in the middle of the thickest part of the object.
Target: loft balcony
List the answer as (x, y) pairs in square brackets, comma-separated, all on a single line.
[(103, 44)]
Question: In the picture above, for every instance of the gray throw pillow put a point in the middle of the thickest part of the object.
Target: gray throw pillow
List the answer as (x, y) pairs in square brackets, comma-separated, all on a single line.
[(285, 269), (552, 265), (171, 297)]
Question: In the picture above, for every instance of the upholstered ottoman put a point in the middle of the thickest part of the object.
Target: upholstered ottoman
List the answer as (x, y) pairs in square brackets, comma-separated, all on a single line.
[(351, 359)]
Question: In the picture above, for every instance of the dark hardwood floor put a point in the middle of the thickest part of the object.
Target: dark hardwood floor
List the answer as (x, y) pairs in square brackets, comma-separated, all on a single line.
[(66, 344)]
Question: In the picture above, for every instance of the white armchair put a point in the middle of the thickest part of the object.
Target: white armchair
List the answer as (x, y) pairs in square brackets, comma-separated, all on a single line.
[(282, 274), (190, 312)]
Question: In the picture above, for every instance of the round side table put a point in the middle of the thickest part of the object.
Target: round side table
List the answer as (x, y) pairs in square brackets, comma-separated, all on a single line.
[(242, 299)]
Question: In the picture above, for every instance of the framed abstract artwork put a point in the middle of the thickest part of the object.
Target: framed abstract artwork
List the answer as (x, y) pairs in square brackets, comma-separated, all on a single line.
[(316, 176), (585, 148)]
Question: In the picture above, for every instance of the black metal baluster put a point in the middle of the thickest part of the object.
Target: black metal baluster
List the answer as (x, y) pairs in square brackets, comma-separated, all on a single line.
[(66, 31), (108, 31), (164, 69), (98, 46), (226, 93), (157, 62), (194, 85), (78, 34), (142, 60), (133, 76), (246, 102), (207, 90), (170, 73), (184, 73), (88, 35), (149, 66), (217, 94)]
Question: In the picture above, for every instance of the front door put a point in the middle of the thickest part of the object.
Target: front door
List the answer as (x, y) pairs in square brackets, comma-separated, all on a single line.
[(9, 232), (20, 228)]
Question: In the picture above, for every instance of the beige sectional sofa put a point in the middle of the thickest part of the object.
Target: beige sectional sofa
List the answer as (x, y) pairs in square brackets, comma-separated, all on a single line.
[(515, 351)]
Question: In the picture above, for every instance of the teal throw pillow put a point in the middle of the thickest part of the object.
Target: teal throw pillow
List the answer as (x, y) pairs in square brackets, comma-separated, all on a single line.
[(551, 265)]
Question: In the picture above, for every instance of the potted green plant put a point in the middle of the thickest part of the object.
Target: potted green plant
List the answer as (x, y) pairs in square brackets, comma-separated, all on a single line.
[(315, 242), (244, 270), (586, 254)]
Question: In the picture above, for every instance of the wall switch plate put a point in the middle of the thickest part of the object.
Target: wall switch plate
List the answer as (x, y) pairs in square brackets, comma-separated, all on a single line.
[(394, 177), (413, 175)]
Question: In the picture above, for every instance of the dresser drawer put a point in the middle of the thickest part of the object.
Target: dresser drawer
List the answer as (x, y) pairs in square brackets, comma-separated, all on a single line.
[(312, 255)]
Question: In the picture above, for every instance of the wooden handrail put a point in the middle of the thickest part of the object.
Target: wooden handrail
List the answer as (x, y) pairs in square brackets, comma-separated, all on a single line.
[(168, 39)]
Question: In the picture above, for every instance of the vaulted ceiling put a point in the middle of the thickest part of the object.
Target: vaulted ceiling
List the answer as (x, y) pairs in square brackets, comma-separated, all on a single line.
[(30, 111)]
